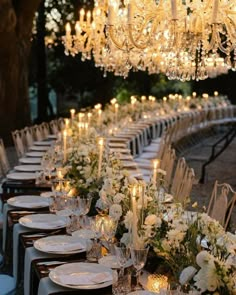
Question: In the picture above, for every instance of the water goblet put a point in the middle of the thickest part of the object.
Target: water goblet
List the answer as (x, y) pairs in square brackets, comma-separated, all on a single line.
[(83, 207), (139, 258), (122, 253)]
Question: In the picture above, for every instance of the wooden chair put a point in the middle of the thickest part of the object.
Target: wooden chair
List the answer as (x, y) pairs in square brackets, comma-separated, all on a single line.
[(19, 142), (4, 163), (178, 175), (54, 127), (38, 134), (185, 187), (221, 203), (29, 137), (167, 164)]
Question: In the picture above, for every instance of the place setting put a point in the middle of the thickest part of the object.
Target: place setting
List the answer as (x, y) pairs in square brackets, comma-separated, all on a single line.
[(43, 221), (28, 168), (82, 276), (21, 176), (61, 244), (28, 202), (30, 160)]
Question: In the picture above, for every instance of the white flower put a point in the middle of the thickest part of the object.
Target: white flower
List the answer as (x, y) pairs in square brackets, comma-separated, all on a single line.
[(187, 274), (203, 258), (115, 211), (152, 220), (128, 221)]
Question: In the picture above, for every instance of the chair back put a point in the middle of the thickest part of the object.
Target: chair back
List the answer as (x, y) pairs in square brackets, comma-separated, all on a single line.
[(178, 175), (54, 126), (19, 142), (4, 163), (221, 203), (167, 164), (38, 135), (185, 187), (29, 136)]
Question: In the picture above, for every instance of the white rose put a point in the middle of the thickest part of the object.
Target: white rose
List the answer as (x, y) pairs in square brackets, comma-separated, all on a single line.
[(115, 211), (152, 220), (187, 274)]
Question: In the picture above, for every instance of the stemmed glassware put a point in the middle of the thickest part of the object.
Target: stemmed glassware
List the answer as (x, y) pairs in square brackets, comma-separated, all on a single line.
[(122, 253), (83, 207), (139, 258), (108, 230)]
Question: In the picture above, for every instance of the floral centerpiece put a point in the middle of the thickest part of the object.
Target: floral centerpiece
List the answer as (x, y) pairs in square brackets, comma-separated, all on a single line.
[(199, 252)]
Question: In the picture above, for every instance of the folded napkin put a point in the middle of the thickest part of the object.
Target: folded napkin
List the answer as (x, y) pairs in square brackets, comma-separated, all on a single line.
[(63, 247), (86, 278)]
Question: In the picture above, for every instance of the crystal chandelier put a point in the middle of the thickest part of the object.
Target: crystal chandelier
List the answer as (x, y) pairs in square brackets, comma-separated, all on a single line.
[(183, 39)]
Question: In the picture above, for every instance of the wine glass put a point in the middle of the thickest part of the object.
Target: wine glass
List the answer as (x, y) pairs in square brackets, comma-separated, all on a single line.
[(108, 229), (139, 258), (83, 207), (122, 253)]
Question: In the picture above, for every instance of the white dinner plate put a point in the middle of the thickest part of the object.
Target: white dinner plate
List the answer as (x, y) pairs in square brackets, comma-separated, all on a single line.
[(111, 261), (84, 234), (30, 160), (21, 176), (60, 244), (47, 194), (28, 168), (39, 148), (35, 154), (68, 275), (44, 142), (28, 201), (43, 221)]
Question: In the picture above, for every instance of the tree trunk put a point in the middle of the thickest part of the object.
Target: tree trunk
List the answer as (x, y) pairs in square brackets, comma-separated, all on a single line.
[(15, 32), (44, 106)]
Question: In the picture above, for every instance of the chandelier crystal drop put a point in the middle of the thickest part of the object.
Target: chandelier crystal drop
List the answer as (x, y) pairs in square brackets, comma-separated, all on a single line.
[(185, 40)]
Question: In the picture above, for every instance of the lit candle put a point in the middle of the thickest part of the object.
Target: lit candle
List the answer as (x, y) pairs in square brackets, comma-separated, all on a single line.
[(81, 15), (164, 99), (116, 112), (72, 114), (77, 29), (67, 123), (99, 117), (135, 219), (100, 145), (68, 29), (111, 15), (174, 9), (130, 13), (157, 282), (216, 93), (88, 18), (89, 118), (65, 142), (156, 164), (215, 11)]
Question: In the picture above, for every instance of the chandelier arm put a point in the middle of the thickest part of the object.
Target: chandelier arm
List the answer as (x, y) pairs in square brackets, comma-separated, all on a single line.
[(231, 31), (113, 39), (139, 46)]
